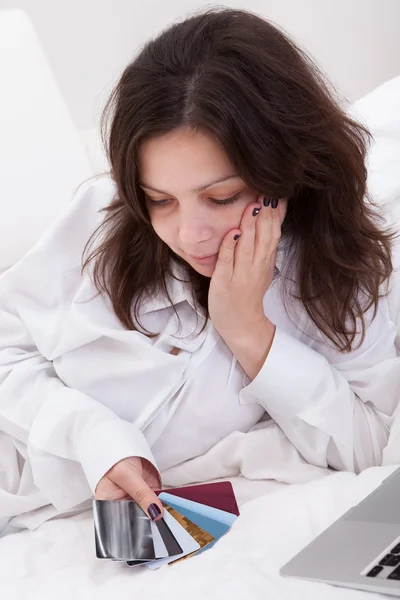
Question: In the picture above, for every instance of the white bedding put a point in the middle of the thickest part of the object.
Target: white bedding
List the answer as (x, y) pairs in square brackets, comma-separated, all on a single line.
[(57, 559)]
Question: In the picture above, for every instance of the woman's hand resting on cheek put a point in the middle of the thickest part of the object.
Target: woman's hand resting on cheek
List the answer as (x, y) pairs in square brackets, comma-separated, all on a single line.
[(132, 478), (243, 273)]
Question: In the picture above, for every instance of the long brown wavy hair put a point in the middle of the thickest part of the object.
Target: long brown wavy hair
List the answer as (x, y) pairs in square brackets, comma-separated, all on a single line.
[(234, 74)]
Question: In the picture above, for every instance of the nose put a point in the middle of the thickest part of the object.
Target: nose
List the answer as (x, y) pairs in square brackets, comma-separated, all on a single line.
[(194, 228)]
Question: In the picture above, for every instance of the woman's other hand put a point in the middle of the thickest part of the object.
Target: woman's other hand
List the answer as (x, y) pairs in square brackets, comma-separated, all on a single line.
[(245, 269)]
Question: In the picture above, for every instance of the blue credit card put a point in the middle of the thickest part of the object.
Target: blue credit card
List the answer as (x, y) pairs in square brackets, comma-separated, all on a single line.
[(214, 521)]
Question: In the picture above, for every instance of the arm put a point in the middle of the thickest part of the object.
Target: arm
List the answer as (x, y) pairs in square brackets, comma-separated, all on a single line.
[(70, 440), (335, 408)]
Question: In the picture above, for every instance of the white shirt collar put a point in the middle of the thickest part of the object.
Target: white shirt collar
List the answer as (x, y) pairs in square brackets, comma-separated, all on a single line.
[(178, 288)]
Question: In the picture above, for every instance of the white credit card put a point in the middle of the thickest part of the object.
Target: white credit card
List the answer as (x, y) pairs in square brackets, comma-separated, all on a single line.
[(184, 539), (160, 549)]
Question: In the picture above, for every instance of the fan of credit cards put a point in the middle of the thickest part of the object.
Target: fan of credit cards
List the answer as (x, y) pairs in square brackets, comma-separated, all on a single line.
[(195, 517)]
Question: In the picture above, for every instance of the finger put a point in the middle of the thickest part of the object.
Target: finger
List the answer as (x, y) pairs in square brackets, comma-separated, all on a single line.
[(245, 251), (263, 232), (268, 233), (129, 479), (150, 475), (226, 255), (108, 490)]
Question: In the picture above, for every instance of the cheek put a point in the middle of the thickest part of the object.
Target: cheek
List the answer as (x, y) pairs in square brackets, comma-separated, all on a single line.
[(163, 228), (232, 216), (223, 219)]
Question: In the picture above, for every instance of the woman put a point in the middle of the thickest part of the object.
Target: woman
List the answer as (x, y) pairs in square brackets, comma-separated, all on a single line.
[(229, 269)]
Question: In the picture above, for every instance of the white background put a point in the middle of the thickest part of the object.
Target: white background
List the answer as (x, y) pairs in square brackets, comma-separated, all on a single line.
[(88, 42)]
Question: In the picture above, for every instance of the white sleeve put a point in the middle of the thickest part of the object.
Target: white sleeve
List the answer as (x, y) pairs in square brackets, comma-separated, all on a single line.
[(335, 408), (70, 439)]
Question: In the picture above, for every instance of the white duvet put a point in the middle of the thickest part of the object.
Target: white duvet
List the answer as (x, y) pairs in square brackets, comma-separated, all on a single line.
[(57, 561)]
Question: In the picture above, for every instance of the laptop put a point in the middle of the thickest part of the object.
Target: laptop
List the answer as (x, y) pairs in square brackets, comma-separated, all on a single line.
[(361, 549)]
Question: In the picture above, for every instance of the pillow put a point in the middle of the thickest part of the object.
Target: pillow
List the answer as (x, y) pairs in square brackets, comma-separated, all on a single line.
[(42, 158), (380, 111)]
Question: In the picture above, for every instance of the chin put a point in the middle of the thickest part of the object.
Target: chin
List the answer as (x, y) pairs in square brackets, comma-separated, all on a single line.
[(205, 270)]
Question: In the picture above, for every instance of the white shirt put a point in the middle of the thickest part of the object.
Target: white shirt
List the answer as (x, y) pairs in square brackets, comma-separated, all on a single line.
[(78, 392)]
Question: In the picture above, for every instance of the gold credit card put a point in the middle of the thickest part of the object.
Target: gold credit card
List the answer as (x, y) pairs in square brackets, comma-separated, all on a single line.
[(202, 537)]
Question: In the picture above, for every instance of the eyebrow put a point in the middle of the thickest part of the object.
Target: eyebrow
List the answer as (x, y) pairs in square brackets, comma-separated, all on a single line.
[(199, 189)]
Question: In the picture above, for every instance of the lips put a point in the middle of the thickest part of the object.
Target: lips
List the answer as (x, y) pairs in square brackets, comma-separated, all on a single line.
[(207, 259), (204, 256)]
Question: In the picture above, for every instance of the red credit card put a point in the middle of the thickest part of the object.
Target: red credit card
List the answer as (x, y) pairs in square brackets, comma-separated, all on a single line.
[(217, 495)]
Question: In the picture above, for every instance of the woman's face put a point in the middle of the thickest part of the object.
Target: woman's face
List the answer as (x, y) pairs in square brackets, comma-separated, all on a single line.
[(194, 197)]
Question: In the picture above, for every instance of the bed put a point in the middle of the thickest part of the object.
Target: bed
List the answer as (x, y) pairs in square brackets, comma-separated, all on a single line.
[(284, 501)]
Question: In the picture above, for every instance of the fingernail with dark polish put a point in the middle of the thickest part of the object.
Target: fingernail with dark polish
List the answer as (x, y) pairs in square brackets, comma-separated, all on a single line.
[(255, 212), (236, 237), (274, 202), (267, 201), (153, 511)]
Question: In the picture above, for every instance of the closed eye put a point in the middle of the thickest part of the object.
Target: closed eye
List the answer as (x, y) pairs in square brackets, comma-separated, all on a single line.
[(227, 200), (157, 202), (164, 202)]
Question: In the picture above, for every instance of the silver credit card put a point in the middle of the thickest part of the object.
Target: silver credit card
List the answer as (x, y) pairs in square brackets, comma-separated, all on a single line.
[(122, 531)]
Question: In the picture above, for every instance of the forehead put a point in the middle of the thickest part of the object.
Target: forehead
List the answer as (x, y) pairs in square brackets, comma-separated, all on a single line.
[(184, 159)]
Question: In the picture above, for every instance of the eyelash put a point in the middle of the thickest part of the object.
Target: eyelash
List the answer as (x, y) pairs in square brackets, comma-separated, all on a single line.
[(231, 200)]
